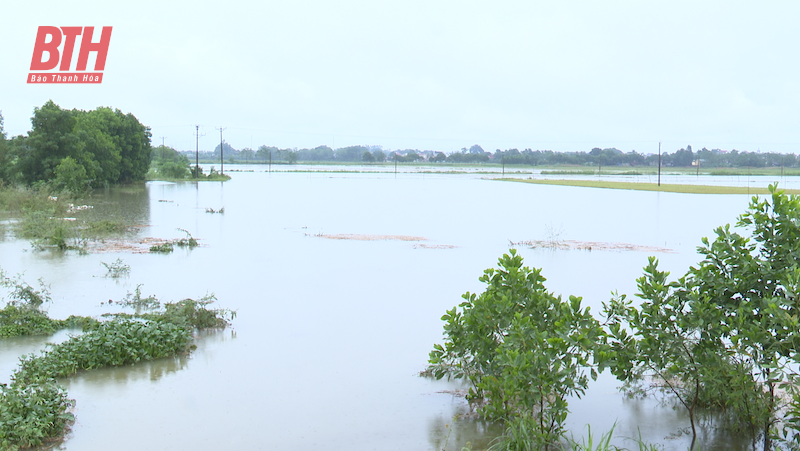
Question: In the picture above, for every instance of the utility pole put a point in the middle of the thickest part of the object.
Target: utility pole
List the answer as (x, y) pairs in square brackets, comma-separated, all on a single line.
[(659, 163), (162, 147), (197, 152), (221, 152)]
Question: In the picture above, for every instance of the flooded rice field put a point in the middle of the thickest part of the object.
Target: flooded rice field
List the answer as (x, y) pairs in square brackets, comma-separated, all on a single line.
[(339, 282)]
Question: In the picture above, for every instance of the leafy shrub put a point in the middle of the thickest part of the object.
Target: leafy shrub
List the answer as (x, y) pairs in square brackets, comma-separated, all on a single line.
[(523, 350)]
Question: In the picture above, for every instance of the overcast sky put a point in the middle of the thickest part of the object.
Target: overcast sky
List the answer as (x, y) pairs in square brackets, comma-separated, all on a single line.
[(561, 75)]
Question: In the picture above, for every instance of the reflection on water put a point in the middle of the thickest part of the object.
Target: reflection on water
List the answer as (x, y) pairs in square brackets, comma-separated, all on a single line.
[(462, 430), (129, 204), (330, 334)]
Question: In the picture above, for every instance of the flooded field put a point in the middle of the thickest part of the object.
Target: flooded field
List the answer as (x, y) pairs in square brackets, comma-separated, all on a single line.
[(339, 282)]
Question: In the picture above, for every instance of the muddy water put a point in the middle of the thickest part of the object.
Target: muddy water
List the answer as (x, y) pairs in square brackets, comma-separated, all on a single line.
[(330, 333)]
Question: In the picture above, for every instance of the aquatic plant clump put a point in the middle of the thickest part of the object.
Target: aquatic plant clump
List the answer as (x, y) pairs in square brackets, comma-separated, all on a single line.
[(117, 269), (21, 320), (34, 409), (32, 414), (113, 343)]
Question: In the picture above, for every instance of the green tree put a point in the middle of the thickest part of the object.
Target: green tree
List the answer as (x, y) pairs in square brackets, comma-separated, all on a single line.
[(169, 163), (111, 147), (265, 152), (290, 156), (669, 340), (367, 157), (523, 350), (51, 140), (72, 177), (726, 335), (247, 153), (5, 156), (754, 283)]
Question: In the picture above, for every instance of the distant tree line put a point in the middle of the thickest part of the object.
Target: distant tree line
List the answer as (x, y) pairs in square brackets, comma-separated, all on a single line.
[(76, 149), (684, 157)]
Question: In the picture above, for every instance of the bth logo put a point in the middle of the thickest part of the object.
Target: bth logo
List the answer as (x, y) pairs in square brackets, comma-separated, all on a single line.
[(48, 53)]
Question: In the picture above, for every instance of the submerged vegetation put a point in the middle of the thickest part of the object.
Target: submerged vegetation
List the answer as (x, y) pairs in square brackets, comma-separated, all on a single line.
[(52, 220), (169, 246), (34, 408), (723, 338)]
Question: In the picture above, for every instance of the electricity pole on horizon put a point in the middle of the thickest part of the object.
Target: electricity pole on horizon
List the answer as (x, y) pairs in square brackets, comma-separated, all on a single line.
[(221, 151), (197, 152), (659, 163), (162, 146)]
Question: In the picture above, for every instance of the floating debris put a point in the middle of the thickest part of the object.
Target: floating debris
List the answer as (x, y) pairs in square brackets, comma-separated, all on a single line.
[(72, 208), (563, 245), (365, 237), (434, 246)]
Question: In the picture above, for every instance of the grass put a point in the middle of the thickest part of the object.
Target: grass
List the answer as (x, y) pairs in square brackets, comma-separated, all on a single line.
[(666, 188)]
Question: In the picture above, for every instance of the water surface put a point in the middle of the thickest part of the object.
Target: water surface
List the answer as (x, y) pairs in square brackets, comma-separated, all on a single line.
[(330, 334)]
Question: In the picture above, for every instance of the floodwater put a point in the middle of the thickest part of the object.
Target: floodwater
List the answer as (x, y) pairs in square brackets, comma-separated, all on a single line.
[(330, 334)]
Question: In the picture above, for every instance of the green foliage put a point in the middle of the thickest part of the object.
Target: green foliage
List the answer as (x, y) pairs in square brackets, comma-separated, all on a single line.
[(22, 315), (33, 408), (103, 146), (21, 199), (587, 443), (31, 414), (113, 343), (169, 246), (16, 321), (116, 269), (71, 177), (170, 164), (195, 314), (163, 248), (669, 340), (46, 231), (20, 320), (188, 241), (752, 285), (523, 349), (726, 335), (103, 227), (22, 293), (138, 302)]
